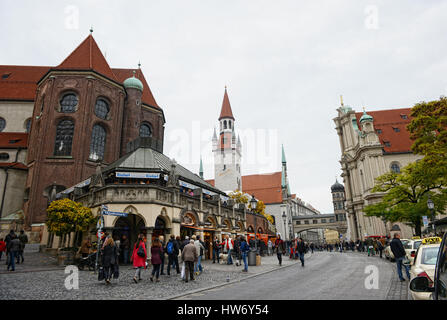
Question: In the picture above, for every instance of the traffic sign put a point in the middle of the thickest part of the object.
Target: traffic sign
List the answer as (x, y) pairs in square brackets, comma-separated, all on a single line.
[(114, 213), (425, 221), (100, 223)]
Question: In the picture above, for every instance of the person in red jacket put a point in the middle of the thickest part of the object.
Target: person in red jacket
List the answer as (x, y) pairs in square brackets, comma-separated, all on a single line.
[(228, 246), (139, 260), (2, 247)]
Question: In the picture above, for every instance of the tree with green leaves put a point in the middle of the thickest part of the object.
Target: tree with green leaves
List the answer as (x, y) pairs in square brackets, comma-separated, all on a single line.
[(66, 216)]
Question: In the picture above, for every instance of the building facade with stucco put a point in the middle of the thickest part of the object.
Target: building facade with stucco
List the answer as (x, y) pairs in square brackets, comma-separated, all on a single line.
[(372, 143)]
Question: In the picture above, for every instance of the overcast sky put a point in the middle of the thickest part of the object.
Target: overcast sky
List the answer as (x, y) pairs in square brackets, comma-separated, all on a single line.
[(285, 64)]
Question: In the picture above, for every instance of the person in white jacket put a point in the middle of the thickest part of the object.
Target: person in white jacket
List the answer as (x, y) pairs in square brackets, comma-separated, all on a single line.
[(200, 248), (227, 246)]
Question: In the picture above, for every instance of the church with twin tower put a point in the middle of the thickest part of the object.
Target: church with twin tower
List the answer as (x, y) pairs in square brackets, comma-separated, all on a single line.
[(227, 151)]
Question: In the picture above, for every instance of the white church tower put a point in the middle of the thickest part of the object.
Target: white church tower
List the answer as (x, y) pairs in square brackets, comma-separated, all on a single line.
[(227, 151)]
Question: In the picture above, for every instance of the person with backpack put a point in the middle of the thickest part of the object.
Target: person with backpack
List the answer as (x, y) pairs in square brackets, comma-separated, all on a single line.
[(157, 255), (200, 247), (139, 257), (172, 249)]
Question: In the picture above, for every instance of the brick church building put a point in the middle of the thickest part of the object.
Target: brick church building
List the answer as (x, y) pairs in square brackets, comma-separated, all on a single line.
[(73, 117)]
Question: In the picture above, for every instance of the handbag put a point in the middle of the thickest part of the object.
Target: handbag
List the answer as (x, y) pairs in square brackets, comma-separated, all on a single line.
[(140, 251), (101, 274)]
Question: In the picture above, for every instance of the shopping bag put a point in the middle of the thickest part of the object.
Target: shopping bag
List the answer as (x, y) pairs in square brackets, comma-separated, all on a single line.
[(183, 270), (101, 274)]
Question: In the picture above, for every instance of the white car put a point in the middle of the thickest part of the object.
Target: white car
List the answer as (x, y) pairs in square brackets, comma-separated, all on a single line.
[(411, 247), (424, 266), (389, 254)]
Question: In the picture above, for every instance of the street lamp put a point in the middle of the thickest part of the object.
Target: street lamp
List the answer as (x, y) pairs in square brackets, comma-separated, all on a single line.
[(290, 230), (253, 203), (431, 207)]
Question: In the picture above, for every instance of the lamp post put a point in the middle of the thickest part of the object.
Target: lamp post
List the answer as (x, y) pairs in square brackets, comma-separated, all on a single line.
[(431, 207), (290, 230), (253, 203)]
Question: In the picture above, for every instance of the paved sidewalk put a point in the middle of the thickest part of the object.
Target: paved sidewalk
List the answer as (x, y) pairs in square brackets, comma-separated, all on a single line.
[(33, 262)]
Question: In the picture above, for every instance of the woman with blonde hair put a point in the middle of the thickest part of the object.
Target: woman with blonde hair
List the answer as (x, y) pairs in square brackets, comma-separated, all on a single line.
[(109, 259), (162, 256)]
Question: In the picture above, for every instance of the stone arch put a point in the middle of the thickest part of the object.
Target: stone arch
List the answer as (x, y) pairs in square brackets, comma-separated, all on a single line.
[(227, 223), (241, 226), (212, 219), (164, 215), (192, 214), (250, 229)]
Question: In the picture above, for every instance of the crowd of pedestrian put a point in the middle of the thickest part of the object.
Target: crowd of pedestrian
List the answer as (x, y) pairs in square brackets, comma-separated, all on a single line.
[(13, 246)]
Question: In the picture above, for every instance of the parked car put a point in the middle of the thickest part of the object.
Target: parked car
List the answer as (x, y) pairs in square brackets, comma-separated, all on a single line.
[(424, 265), (411, 247), (389, 254), (437, 291)]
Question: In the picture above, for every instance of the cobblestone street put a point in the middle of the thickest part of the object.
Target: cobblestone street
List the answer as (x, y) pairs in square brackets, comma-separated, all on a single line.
[(324, 270)]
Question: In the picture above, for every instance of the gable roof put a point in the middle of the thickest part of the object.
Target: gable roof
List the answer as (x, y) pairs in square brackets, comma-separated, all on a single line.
[(87, 56), (226, 112), (265, 187), (19, 83), (386, 121)]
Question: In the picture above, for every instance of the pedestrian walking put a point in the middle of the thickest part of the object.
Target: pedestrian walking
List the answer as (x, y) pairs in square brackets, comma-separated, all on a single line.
[(125, 248), (85, 248), (8, 239), (109, 259), (139, 257), (2, 248), (13, 249), (399, 255), (200, 248), (228, 246), (163, 245), (157, 255), (172, 249), (237, 251), (380, 248), (244, 249), (189, 256), (280, 249), (184, 243), (216, 250), (23, 241), (270, 247), (301, 249)]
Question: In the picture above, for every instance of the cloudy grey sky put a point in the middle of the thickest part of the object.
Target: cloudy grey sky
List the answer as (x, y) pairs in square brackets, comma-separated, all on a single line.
[(285, 64)]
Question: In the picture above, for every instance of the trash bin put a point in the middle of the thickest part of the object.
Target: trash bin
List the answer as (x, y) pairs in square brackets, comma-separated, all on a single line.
[(252, 258)]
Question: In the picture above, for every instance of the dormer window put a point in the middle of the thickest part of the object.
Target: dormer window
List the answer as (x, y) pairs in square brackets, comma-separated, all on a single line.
[(403, 116)]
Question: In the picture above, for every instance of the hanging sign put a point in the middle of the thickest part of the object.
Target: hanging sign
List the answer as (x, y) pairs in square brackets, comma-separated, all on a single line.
[(137, 175)]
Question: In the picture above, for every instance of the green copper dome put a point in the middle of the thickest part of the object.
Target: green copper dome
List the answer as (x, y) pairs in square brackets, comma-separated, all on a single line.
[(133, 83), (366, 117)]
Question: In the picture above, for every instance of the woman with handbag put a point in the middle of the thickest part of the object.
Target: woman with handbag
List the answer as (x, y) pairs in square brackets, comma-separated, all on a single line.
[(156, 259), (109, 259), (139, 257)]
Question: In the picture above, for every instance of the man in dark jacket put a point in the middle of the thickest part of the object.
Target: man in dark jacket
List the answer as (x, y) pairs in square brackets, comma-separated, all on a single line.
[(280, 248), (8, 239), (185, 243), (23, 241), (216, 249), (125, 248), (172, 250), (301, 249), (13, 248), (399, 254)]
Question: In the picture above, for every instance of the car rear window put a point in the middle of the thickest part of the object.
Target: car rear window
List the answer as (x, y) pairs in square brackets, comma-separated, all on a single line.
[(429, 255)]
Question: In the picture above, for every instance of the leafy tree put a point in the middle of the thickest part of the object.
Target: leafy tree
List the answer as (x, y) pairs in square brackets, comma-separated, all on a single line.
[(238, 197), (406, 194), (66, 216)]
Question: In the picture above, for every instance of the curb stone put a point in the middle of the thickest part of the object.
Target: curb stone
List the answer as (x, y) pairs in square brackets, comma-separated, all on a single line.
[(229, 283)]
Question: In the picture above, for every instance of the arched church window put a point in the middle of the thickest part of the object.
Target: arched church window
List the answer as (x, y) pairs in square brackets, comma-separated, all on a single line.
[(229, 124), (145, 130), (395, 167), (102, 109), (69, 103), (225, 124), (64, 138), (97, 143)]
